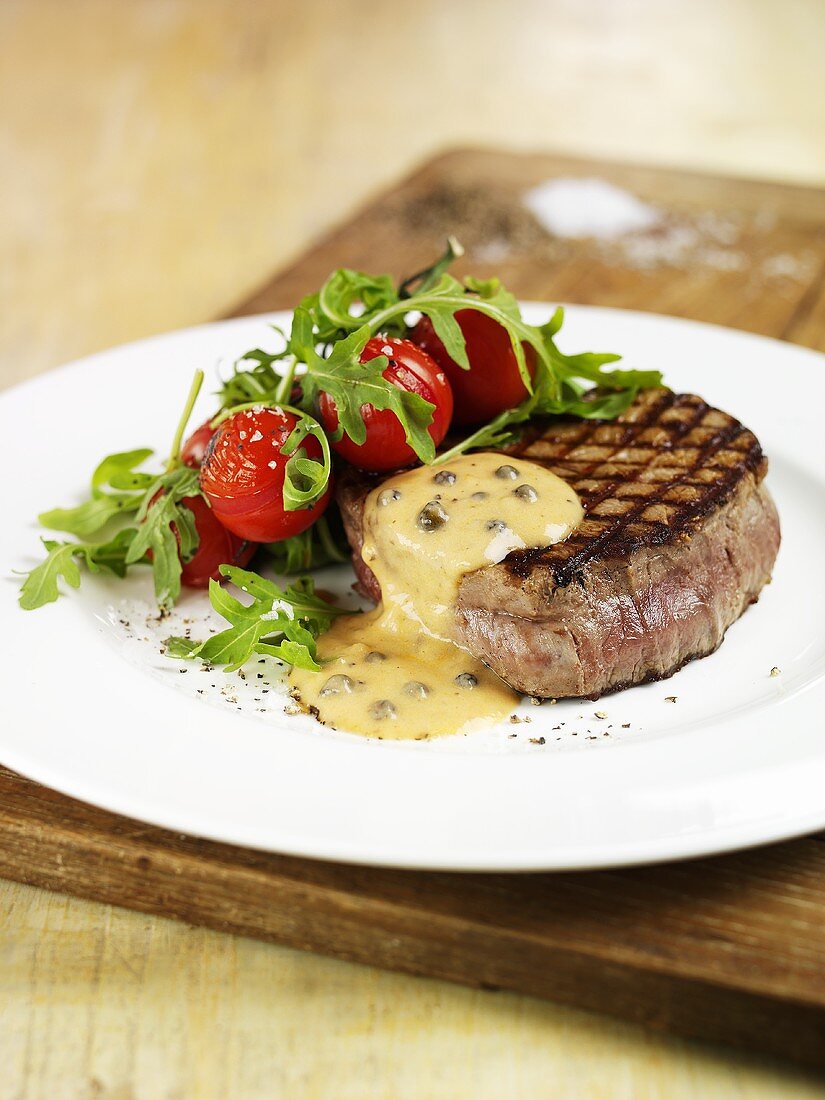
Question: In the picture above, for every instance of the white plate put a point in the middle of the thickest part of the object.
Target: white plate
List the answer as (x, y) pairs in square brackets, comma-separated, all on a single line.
[(92, 709)]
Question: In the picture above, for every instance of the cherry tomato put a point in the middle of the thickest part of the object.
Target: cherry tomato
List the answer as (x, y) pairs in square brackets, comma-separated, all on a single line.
[(386, 447), (243, 476), (216, 546), (193, 451), (493, 382)]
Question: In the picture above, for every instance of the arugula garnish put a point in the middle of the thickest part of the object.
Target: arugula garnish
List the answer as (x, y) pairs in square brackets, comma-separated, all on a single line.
[(133, 516), (258, 384), (305, 478), (116, 472), (555, 388), (351, 384), (166, 531), (137, 517), (324, 543), (331, 328), (344, 302), (276, 622), (561, 393), (41, 584)]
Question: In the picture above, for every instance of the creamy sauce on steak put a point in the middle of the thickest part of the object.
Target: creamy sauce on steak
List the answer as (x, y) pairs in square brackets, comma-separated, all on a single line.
[(396, 672)]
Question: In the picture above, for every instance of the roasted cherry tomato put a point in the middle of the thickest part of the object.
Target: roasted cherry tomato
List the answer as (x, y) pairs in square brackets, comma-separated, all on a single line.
[(242, 476), (386, 447), (493, 382), (194, 449), (216, 546)]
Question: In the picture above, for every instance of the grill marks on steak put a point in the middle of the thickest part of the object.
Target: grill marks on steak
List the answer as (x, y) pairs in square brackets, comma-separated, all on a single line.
[(644, 479), (679, 536)]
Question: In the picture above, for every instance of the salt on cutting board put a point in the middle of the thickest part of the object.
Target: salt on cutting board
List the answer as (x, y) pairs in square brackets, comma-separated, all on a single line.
[(593, 207), (628, 232)]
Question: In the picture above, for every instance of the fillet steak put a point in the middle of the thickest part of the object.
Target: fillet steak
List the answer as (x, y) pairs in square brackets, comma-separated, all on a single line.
[(679, 536)]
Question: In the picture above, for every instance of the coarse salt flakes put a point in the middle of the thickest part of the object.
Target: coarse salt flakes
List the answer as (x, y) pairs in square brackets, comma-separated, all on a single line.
[(785, 265), (256, 435), (273, 465), (386, 350), (569, 207)]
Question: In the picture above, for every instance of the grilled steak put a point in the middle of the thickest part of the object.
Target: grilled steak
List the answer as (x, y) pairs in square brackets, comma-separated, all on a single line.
[(679, 536)]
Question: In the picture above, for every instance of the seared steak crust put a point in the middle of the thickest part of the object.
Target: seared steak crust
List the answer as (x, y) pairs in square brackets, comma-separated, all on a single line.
[(645, 479), (679, 536)]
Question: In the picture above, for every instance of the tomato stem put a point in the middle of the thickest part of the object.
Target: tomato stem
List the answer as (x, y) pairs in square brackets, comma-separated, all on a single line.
[(194, 390)]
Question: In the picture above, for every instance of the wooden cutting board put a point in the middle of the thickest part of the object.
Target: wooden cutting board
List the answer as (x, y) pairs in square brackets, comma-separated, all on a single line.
[(730, 948)]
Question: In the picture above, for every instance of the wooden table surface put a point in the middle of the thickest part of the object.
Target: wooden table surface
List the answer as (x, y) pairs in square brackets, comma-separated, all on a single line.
[(160, 160)]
